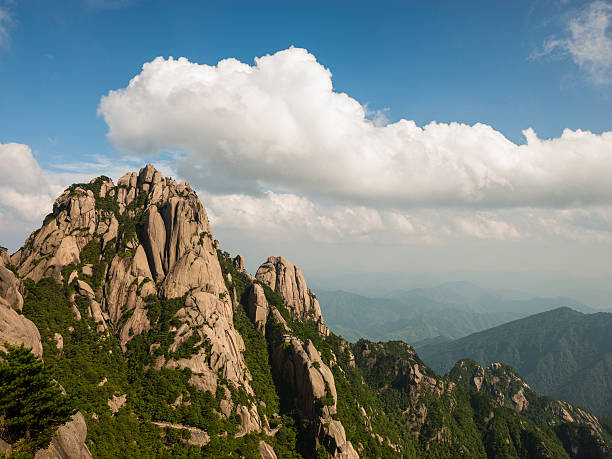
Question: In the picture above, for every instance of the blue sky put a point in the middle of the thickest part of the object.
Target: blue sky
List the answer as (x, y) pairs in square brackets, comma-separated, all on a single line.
[(436, 193), (444, 61)]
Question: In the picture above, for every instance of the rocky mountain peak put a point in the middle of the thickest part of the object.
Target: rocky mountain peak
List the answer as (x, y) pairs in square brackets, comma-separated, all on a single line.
[(287, 279), (508, 389), (147, 237)]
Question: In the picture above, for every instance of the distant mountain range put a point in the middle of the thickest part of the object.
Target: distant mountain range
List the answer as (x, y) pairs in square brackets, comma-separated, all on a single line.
[(594, 291), (445, 312), (156, 343), (561, 353)]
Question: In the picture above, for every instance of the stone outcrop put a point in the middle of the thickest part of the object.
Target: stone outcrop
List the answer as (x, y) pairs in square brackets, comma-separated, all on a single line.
[(312, 383), (205, 314), (258, 307), (64, 234), (286, 279), (11, 289), (333, 437), (68, 442), (508, 389), (15, 328), (197, 437), (266, 451), (5, 448), (117, 402), (249, 420), (238, 262)]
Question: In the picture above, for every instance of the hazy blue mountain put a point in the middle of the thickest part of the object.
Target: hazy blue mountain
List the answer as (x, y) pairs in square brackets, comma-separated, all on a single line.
[(451, 310), (379, 319), (562, 353), (467, 296), (594, 291)]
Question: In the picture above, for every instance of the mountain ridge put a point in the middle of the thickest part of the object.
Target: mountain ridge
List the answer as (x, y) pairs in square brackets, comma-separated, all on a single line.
[(562, 353), (419, 316), (168, 348)]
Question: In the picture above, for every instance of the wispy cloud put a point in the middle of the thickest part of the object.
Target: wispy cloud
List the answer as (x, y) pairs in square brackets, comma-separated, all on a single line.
[(5, 22), (587, 41)]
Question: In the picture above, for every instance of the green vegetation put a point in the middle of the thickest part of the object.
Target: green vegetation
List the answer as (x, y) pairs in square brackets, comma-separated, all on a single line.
[(257, 360), (561, 353), (32, 405), (389, 402)]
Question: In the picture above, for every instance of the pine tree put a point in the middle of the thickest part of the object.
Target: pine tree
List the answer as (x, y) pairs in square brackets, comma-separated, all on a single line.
[(32, 405)]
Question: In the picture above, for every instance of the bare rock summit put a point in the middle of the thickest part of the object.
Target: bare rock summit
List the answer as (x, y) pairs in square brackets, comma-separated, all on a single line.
[(287, 279)]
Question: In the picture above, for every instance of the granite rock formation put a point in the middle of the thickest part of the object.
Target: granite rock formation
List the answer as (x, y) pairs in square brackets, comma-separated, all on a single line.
[(285, 278)]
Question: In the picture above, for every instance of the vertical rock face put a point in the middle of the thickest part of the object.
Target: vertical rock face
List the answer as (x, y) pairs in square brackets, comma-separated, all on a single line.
[(15, 328), (310, 379), (313, 386), (10, 288), (266, 451), (258, 307), (64, 234), (333, 438), (286, 279), (68, 442)]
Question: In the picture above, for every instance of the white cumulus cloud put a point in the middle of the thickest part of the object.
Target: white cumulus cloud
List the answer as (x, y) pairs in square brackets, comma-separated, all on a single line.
[(279, 125), (24, 192)]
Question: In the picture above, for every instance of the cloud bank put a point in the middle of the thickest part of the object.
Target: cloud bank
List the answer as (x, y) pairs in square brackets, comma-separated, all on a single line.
[(279, 125), (275, 152)]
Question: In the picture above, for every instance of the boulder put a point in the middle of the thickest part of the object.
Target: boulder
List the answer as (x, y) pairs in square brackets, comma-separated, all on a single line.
[(68, 442), (117, 402), (85, 289), (59, 341), (16, 329)]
